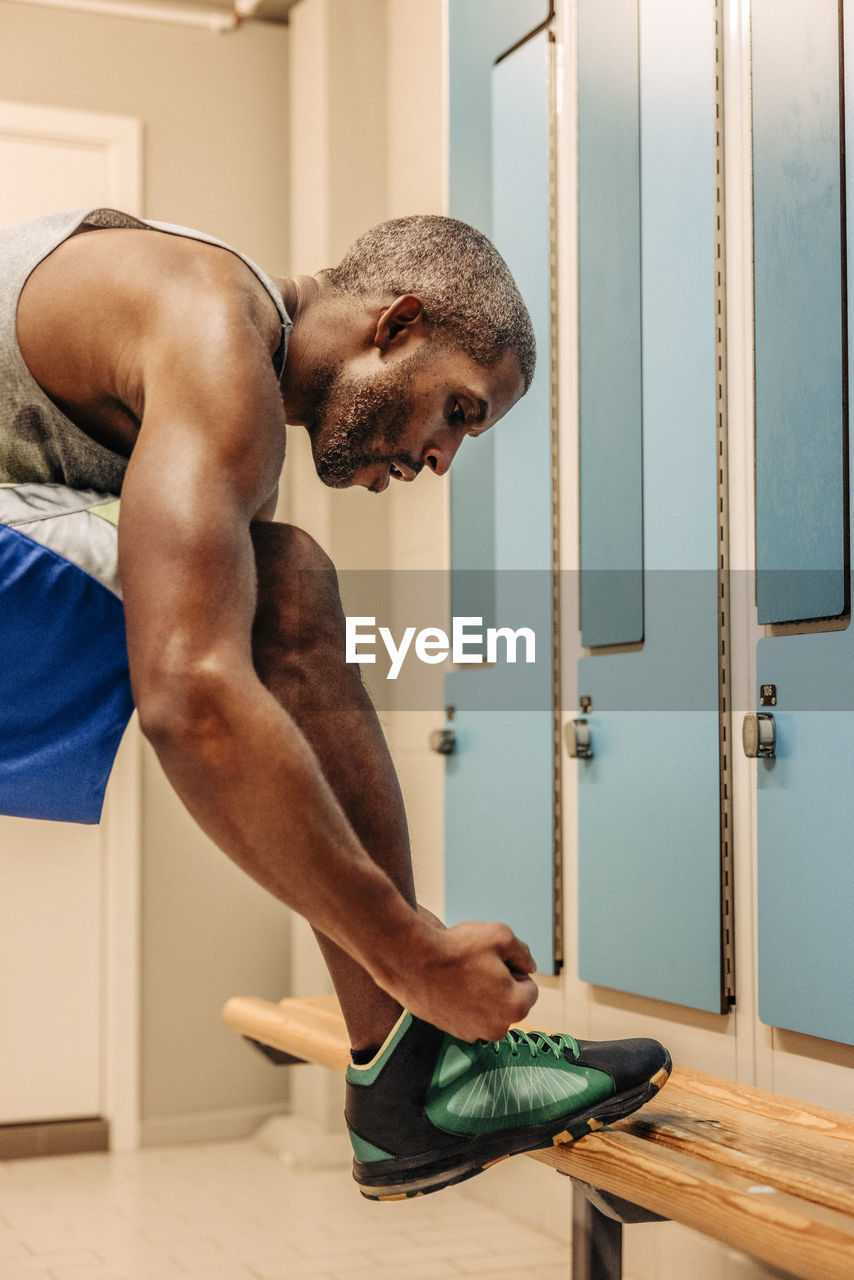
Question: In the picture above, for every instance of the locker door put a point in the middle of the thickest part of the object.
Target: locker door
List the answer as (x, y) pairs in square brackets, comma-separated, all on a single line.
[(649, 798), (474, 46), (609, 348), (804, 801), (499, 784)]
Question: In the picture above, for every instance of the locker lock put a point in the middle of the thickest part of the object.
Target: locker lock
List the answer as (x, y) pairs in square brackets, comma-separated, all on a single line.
[(578, 742), (759, 735), (443, 741)]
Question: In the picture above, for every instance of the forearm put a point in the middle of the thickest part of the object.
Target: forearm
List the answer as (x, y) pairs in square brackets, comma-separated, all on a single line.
[(252, 782)]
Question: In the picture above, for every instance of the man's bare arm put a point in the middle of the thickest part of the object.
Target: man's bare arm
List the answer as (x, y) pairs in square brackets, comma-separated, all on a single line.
[(208, 454)]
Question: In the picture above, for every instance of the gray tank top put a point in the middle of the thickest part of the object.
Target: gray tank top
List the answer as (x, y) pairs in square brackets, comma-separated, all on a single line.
[(37, 441)]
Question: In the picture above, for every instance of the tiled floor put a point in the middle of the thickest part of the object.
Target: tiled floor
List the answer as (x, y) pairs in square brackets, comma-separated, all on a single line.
[(232, 1211)]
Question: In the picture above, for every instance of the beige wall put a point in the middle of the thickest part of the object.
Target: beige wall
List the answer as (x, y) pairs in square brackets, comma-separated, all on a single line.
[(214, 109), (419, 514), (214, 113), (337, 101)]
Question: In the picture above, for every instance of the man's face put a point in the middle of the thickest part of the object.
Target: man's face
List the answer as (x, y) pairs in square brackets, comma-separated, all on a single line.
[(367, 428)]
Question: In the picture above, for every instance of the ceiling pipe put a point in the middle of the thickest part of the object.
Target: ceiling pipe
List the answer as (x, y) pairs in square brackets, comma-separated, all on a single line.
[(217, 20)]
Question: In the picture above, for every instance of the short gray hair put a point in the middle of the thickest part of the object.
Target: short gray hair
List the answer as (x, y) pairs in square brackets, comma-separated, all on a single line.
[(464, 284)]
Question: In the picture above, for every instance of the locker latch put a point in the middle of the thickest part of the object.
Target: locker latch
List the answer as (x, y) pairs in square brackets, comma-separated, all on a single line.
[(759, 735), (578, 741), (443, 741)]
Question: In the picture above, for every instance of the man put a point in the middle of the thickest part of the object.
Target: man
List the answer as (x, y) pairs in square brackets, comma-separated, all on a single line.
[(152, 361)]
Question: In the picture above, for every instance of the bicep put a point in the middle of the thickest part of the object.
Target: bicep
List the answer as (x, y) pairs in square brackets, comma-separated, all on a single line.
[(187, 571), (208, 453)]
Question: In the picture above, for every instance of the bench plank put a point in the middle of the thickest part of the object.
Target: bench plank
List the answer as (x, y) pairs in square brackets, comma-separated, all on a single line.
[(311, 1028), (806, 1152), (765, 1174), (796, 1235)]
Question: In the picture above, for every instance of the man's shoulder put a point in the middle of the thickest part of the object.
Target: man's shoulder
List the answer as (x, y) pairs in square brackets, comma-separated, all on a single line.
[(152, 282), (152, 260), (111, 309)]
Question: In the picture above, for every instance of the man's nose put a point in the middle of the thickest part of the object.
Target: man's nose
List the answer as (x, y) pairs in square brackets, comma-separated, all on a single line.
[(440, 452)]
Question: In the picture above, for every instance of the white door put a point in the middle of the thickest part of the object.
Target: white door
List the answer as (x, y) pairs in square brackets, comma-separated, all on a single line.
[(58, 883)]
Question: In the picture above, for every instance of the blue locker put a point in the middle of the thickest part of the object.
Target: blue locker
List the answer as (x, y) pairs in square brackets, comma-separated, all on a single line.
[(499, 783), (805, 811), (609, 348), (801, 538), (649, 801), (473, 47)]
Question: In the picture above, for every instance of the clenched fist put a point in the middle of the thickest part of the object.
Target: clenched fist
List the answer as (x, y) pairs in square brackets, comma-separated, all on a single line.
[(472, 980)]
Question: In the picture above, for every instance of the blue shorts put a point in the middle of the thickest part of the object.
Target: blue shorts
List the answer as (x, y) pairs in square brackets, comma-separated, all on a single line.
[(65, 696)]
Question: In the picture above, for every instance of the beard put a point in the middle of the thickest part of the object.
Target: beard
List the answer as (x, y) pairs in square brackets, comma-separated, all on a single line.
[(361, 422)]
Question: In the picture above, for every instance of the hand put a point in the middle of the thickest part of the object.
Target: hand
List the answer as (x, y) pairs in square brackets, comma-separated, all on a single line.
[(429, 918), (471, 980)]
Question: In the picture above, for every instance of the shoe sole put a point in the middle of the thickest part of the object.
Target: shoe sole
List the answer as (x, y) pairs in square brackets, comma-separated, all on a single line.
[(406, 1178)]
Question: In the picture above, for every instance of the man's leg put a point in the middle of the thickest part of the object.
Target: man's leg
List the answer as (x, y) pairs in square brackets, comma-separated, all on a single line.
[(430, 1110), (298, 649)]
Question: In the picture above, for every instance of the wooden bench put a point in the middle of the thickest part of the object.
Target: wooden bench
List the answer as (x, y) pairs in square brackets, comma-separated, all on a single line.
[(762, 1173)]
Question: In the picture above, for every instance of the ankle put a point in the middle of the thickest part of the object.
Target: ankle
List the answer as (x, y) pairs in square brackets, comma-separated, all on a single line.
[(365, 1054), (370, 1028), (361, 1057)]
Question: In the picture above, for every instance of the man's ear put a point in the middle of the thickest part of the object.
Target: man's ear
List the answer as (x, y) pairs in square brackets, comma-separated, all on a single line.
[(402, 319)]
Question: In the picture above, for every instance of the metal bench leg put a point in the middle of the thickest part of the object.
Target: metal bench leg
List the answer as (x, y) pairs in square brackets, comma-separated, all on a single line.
[(597, 1241)]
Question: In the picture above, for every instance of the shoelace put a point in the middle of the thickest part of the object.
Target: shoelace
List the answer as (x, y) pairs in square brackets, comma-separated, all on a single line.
[(537, 1042)]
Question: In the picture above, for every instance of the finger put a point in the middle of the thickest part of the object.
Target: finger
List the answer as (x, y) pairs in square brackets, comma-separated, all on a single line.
[(518, 958), (525, 995)]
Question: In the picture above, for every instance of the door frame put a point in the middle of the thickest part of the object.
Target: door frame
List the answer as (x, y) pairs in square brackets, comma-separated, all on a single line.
[(120, 138)]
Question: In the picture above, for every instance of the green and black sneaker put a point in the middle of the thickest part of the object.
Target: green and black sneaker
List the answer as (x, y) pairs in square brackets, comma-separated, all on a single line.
[(430, 1110)]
